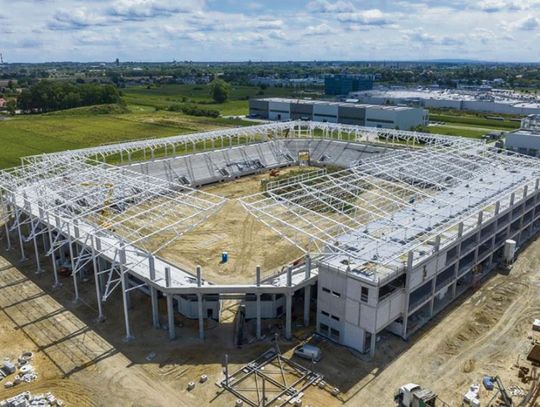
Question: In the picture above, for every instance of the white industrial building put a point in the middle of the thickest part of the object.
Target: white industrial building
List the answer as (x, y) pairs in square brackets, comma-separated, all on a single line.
[(390, 117), (526, 140), (490, 101), (408, 224)]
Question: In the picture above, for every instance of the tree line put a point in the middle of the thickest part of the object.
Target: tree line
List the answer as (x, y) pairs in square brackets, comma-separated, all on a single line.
[(47, 96)]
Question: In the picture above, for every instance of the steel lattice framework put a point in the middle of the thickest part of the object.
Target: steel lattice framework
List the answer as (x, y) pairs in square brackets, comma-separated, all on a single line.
[(371, 215), (224, 138)]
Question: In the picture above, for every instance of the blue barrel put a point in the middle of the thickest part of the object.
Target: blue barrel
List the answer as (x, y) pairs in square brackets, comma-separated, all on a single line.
[(224, 257)]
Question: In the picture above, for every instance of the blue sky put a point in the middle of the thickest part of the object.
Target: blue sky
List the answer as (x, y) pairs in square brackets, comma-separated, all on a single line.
[(235, 30)]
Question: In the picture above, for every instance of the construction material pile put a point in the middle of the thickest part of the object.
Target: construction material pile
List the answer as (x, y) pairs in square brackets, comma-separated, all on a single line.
[(26, 372), (27, 399)]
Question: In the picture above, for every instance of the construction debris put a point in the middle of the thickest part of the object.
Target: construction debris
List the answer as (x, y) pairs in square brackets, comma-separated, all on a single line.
[(27, 399), (26, 373)]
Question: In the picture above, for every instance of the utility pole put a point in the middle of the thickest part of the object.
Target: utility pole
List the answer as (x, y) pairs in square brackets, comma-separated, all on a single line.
[(1, 59)]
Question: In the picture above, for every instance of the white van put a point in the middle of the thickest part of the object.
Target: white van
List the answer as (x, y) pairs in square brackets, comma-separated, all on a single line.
[(310, 352)]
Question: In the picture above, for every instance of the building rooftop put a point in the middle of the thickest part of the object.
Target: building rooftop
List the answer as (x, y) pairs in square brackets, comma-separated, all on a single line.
[(329, 102)]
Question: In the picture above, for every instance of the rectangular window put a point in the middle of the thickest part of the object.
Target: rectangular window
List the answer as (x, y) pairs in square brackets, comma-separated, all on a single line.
[(323, 328), (326, 314), (334, 334), (326, 290), (335, 318), (364, 294), (336, 294)]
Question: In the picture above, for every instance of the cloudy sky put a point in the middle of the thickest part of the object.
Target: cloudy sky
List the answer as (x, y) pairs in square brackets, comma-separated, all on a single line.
[(238, 30)]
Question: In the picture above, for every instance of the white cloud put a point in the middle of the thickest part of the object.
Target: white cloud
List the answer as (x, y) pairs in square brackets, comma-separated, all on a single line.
[(528, 24), (367, 17), (320, 29), (143, 9), (324, 6)]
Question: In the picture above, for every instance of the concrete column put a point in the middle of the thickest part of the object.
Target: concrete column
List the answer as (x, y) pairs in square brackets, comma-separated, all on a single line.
[(21, 243), (36, 252), (307, 304), (123, 278), (289, 276), (288, 315), (8, 239), (53, 260), (101, 266), (96, 280), (258, 296), (201, 316), (74, 275), (170, 308), (153, 293), (307, 262), (497, 207), (372, 344), (410, 259)]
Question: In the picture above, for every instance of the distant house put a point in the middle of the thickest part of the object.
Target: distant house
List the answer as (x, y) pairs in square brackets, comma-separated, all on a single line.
[(3, 103)]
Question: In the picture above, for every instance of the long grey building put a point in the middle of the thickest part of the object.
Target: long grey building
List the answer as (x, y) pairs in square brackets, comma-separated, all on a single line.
[(526, 140), (389, 117)]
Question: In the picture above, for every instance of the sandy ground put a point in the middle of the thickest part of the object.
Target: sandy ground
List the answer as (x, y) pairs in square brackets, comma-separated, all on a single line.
[(88, 363), (234, 230)]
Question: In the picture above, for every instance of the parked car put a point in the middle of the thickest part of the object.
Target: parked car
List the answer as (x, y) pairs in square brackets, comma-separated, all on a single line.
[(310, 352)]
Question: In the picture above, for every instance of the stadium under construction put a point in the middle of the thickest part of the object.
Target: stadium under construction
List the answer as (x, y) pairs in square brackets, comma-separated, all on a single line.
[(392, 227)]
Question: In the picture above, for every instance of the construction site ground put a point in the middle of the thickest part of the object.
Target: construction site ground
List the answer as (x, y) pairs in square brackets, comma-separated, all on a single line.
[(234, 230), (88, 363)]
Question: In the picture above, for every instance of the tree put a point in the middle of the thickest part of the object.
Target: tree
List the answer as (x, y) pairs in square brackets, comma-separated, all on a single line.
[(11, 106), (219, 90)]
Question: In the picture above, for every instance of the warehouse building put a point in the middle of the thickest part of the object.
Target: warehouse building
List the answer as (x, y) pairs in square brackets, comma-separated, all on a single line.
[(526, 140), (343, 84), (495, 101), (389, 117)]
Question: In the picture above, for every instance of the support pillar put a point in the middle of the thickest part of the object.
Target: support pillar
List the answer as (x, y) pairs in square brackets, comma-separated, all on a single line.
[(200, 304), (170, 308), (21, 243), (258, 297), (307, 304), (8, 239), (372, 344), (123, 278), (36, 253), (96, 280), (154, 293), (288, 316), (74, 275)]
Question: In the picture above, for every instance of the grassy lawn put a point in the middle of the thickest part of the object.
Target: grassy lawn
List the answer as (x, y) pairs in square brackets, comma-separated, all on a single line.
[(166, 95), (28, 135), (468, 119), (451, 130)]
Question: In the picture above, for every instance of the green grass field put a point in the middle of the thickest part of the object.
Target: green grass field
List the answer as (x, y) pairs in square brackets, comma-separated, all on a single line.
[(34, 134), (146, 116), (166, 95)]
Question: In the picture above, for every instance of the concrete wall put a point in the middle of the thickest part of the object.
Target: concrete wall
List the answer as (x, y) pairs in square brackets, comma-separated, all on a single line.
[(429, 285), (258, 108), (352, 115), (523, 143), (301, 111), (280, 111), (325, 113), (188, 306)]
